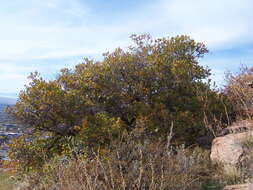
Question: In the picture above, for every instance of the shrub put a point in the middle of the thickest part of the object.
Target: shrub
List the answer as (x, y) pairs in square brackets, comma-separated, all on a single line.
[(239, 92), (32, 151), (146, 87)]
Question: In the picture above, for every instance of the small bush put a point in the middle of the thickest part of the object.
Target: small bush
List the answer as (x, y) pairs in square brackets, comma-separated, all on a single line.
[(239, 92)]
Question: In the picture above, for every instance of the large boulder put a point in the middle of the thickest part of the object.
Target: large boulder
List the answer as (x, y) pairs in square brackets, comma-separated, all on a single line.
[(229, 149), (232, 151)]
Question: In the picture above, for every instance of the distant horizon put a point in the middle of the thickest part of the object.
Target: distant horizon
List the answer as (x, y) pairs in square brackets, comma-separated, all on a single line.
[(7, 101), (8, 95)]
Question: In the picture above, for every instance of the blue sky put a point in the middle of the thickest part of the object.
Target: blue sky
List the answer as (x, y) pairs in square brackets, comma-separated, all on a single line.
[(51, 34)]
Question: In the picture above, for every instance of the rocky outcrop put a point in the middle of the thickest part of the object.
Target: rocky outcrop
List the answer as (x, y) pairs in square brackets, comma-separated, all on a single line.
[(229, 148), (232, 151), (239, 187)]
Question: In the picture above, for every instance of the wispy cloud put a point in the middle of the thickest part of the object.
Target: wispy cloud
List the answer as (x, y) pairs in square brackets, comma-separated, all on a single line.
[(51, 34)]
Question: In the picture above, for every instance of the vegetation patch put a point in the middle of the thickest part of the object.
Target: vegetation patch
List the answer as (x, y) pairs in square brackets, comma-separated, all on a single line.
[(6, 181)]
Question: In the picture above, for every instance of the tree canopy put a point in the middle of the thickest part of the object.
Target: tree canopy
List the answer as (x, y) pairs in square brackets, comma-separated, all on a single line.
[(146, 87)]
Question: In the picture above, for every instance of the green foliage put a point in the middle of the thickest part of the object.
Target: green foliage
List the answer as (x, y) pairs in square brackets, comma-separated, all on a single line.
[(31, 151), (150, 85), (31, 155)]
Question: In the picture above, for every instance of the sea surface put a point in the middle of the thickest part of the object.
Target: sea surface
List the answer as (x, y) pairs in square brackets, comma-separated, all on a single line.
[(9, 129), (5, 120)]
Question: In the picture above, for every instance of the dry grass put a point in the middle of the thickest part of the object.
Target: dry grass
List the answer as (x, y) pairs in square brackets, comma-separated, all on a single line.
[(232, 174), (127, 166), (239, 90), (132, 165), (6, 182), (247, 167)]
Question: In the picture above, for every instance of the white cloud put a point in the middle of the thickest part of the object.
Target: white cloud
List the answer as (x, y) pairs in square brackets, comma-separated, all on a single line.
[(217, 22), (60, 29), (206, 21), (12, 82)]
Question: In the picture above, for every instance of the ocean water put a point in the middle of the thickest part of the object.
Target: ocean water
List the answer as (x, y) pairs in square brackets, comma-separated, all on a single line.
[(7, 123), (9, 129)]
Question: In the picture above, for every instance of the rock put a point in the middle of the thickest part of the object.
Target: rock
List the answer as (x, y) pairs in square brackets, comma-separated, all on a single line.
[(239, 187), (229, 148), (232, 151)]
